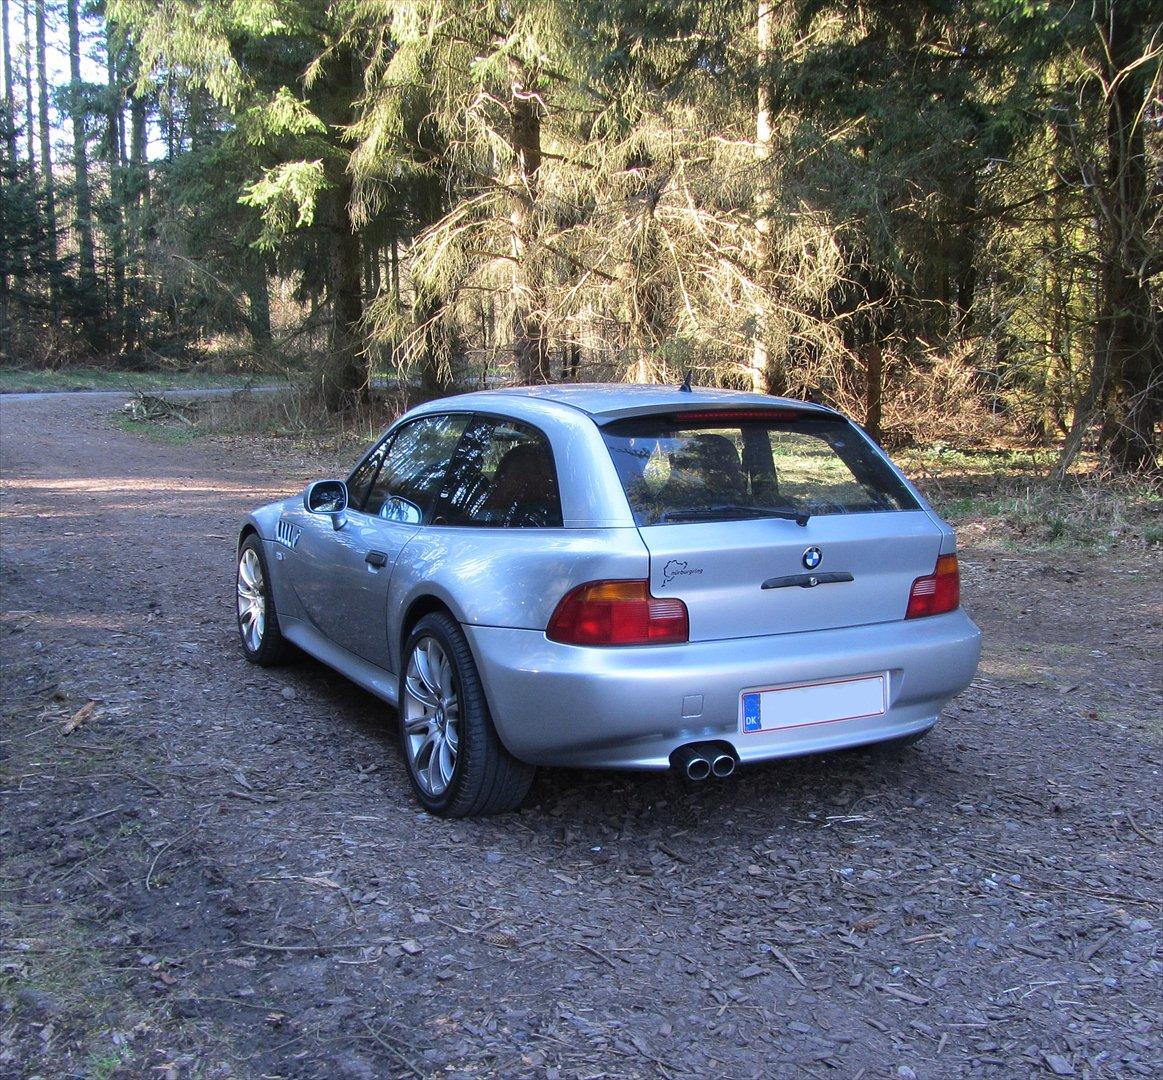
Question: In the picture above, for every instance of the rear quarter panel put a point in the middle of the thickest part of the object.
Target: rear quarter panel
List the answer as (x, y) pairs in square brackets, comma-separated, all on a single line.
[(507, 577)]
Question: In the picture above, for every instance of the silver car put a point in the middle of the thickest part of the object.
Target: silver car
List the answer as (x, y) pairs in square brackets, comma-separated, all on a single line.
[(625, 577)]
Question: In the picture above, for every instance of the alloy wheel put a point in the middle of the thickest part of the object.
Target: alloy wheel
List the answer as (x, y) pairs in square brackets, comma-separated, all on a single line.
[(431, 710), (252, 601)]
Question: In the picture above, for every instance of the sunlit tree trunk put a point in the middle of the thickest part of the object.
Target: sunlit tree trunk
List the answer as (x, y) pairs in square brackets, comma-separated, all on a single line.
[(83, 208), (45, 132), (758, 372), (116, 154), (9, 89), (137, 183), (29, 119)]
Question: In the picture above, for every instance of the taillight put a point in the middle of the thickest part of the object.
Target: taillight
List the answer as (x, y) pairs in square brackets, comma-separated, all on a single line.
[(618, 613), (938, 592), (727, 416)]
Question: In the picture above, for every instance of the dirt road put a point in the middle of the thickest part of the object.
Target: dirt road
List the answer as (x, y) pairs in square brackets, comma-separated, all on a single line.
[(220, 871)]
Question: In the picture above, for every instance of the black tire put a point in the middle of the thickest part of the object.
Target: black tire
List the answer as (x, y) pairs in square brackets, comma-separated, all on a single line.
[(272, 648), (485, 778)]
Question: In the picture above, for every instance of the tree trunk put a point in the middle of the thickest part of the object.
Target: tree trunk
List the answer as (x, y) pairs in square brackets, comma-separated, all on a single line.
[(342, 377), (1127, 369), (168, 116), (50, 211), (435, 369), (874, 388), (530, 338), (29, 119), (83, 209), (115, 148), (1127, 326), (966, 249), (344, 373), (259, 303), (394, 271), (9, 119), (136, 186), (764, 39), (137, 138)]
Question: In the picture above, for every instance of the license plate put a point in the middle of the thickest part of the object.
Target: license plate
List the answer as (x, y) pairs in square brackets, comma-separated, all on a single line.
[(803, 704)]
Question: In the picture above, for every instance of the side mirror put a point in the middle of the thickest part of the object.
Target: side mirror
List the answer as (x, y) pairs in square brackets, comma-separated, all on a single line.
[(328, 497), (398, 509)]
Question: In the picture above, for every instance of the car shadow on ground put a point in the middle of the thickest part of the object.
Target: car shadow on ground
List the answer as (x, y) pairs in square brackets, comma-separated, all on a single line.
[(811, 789)]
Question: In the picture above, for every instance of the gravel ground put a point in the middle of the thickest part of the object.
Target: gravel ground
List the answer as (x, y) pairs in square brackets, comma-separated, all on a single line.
[(219, 871)]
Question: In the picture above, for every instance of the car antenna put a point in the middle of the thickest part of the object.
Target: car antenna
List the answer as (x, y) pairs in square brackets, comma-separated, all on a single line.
[(686, 383)]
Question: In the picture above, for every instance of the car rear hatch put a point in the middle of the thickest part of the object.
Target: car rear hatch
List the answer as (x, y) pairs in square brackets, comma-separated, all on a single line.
[(771, 520)]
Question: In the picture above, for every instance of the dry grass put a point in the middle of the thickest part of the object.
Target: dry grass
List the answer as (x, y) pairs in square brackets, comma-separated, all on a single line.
[(1003, 496)]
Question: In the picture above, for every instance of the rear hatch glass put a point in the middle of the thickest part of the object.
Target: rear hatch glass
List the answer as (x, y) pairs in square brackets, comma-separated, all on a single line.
[(729, 504)]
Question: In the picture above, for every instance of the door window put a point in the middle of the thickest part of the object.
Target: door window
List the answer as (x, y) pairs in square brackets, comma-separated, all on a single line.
[(359, 484), (503, 476), (414, 467)]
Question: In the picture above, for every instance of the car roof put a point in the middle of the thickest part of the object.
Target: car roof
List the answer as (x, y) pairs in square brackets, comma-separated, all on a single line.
[(609, 401)]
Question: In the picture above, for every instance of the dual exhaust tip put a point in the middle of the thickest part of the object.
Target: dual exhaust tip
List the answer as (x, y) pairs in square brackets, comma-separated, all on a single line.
[(699, 761)]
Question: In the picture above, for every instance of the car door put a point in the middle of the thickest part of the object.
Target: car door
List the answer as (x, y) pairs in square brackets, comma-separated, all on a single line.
[(341, 575)]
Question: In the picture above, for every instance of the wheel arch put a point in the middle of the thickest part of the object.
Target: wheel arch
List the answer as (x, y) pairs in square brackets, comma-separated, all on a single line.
[(428, 603), (247, 530), (424, 604)]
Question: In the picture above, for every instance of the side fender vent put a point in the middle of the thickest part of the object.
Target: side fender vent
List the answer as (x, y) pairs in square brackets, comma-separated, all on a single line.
[(287, 534)]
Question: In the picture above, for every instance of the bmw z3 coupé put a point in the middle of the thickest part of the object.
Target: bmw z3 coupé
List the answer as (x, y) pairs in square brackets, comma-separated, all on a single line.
[(623, 577)]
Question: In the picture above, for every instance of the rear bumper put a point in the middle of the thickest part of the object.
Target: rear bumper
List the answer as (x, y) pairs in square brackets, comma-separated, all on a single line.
[(631, 707)]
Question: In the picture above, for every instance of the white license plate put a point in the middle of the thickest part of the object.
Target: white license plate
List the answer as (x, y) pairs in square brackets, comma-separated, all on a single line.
[(803, 704)]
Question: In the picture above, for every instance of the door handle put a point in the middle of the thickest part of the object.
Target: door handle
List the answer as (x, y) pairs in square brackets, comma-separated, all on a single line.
[(376, 558)]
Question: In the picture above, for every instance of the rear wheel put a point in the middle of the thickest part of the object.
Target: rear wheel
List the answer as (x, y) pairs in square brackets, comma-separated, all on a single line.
[(258, 621), (456, 761)]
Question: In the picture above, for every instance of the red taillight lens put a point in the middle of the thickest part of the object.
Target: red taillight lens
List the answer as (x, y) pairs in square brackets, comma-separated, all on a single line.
[(618, 613), (937, 593)]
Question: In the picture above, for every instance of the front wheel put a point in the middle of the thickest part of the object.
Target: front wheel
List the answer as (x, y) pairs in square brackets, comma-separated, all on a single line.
[(258, 621), (456, 761)]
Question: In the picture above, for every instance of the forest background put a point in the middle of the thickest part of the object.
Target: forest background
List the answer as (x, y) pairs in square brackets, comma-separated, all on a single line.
[(945, 218)]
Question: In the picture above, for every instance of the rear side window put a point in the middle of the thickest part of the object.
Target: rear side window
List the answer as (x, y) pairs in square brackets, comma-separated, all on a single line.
[(503, 475), (719, 469)]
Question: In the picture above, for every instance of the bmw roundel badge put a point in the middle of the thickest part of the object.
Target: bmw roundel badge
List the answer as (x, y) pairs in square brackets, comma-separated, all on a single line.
[(812, 558)]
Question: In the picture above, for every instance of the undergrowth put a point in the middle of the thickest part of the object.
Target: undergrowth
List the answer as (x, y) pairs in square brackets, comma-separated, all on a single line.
[(993, 495), (1004, 497)]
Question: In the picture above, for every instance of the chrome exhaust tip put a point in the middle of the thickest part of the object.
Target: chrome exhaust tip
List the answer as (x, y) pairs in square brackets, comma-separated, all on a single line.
[(691, 762), (723, 765), (698, 768)]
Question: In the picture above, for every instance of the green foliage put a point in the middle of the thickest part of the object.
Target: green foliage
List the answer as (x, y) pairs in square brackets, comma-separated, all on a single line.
[(920, 212), (286, 194)]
